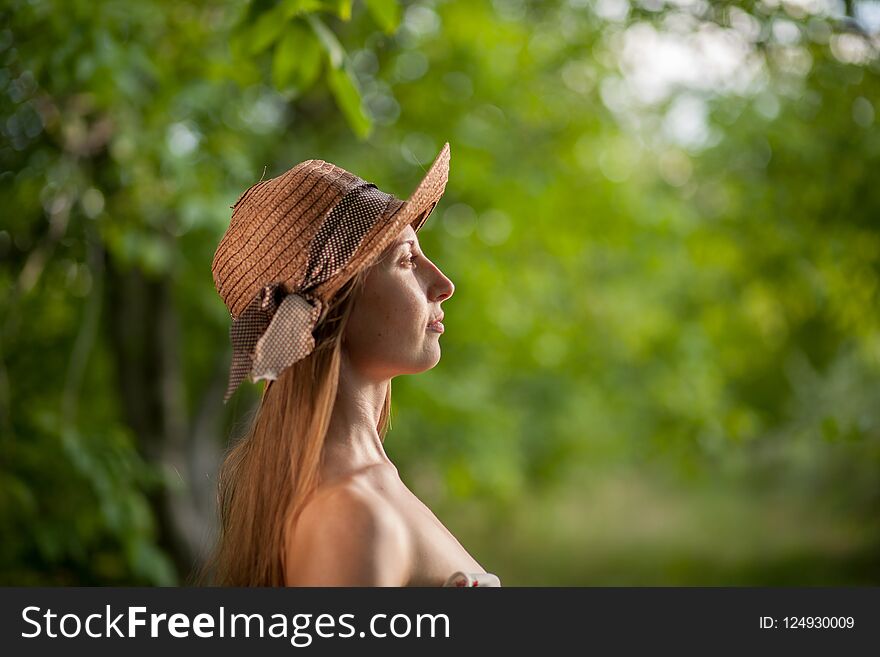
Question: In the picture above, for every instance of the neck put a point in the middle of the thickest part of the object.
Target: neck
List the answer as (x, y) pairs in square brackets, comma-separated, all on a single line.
[(353, 440)]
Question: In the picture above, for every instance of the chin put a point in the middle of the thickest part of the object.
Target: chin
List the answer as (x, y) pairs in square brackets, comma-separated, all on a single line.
[(430, 361), (435, 360)]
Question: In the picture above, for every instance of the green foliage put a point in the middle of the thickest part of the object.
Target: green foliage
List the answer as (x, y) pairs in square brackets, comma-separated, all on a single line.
[(347, 97), (386, 13), (340, 79), (297, 60), (662, 360), (297, 35)]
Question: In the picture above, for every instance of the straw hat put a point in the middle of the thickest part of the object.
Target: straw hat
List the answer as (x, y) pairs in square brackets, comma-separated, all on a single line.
[(292, 242)]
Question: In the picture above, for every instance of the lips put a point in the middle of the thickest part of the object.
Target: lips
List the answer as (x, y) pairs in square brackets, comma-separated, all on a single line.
[(437, 324)]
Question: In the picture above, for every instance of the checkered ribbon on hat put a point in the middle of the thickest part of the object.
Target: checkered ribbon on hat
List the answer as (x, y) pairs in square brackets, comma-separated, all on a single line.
[(275, 330)]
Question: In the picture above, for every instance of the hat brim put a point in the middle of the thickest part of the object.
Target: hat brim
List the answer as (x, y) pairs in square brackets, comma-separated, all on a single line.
[(414, 211), (429, 191)]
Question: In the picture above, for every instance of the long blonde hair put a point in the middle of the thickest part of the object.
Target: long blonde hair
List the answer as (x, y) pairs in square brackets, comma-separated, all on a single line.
[(270, 473)]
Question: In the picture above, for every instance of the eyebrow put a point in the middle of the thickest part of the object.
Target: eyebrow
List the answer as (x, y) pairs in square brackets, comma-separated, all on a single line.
[(394, 247)]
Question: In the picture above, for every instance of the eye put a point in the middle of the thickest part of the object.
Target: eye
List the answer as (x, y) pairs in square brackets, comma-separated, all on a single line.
[(412, 259)]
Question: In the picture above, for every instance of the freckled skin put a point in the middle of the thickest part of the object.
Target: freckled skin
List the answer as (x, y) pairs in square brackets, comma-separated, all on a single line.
[(364, 526), (386, 333)]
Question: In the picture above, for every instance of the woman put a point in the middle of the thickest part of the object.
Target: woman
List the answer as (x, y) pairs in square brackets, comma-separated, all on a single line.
[(331, 297)]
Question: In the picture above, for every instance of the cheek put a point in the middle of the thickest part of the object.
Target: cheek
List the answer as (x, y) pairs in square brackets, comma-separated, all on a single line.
[(392, 311)]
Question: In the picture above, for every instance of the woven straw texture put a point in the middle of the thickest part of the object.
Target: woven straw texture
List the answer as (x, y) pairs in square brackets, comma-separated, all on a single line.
[(292, 242), (274, 222)]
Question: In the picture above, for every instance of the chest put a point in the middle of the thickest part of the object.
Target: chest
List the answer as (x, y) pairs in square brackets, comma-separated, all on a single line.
[(436, 552)]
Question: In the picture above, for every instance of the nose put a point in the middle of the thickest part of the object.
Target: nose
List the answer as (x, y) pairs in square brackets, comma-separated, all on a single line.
[(441, 287)]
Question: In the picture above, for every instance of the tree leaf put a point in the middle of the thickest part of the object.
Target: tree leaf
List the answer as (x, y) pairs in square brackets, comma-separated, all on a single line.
[(340, 79), (386, 13), (264, 31), (349, 100), (297, 60), (255, 9), (291, 8), (341, 8), (331, 44)]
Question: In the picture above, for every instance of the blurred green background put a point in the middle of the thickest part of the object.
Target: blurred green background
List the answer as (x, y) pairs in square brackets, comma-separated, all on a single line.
[(662, 362)]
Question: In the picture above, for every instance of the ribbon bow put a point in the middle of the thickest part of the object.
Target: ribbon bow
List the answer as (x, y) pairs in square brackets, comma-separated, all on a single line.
[(275, 329), (270, 335)]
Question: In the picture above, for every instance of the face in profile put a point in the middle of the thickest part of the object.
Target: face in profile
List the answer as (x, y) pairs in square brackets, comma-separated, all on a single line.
[(388, 333)]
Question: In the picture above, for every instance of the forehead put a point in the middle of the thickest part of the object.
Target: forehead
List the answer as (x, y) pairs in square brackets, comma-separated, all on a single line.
[(407, 236)]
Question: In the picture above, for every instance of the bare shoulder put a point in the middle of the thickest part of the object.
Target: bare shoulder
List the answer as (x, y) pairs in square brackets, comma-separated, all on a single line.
[(348, 535)]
